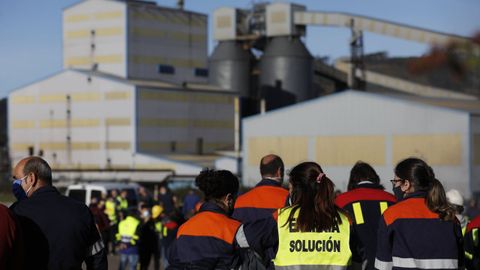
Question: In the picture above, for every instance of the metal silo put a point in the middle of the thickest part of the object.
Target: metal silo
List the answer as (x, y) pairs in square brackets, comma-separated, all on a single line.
[(229, 67), (287, 65)]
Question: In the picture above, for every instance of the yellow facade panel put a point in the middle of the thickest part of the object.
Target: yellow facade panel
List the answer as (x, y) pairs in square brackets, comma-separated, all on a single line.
[(117, 121), (53, 98), (108, 15), (158, 166), (23, 100), (21, 146), (183, 97), (78, 61), (62, 123), (279, 17), (23, 124), (85, 122), (223, 22), (117, 95), (78, 34), (109, 59), (347, 150), (443, 149), (119, 145), (56, 123), (476, 149), (80, 97), (106, 32), (183, 123), (293, 150)]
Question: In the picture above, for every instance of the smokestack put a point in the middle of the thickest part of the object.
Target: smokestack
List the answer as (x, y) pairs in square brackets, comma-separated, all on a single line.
[(180, 4)]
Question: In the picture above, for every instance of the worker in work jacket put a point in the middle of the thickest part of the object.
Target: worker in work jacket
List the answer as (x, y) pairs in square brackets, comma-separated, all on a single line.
[(261, 201), (212, 240), (472, 247), (411, 236), (127, 238), (267, 196), (366, 203), (314, 250)]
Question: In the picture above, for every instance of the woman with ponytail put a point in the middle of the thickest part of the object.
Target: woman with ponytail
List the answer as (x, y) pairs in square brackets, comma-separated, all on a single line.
[(420, 231), (313, 232)]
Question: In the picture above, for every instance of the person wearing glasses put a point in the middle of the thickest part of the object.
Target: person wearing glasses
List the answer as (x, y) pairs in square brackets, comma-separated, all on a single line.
[(57, 232), (365, 201), (420, 231)]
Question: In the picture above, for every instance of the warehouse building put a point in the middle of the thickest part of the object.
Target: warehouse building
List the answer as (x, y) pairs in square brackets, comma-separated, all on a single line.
[(133, 94), (338, 130)]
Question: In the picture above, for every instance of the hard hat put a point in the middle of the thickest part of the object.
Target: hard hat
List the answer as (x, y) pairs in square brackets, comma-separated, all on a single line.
[(156, 211), (454, 197)]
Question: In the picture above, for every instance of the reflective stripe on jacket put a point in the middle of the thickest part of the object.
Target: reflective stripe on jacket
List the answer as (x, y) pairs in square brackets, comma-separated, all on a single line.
[(127, 231), (410, 236), (207, 240), (312, 250)]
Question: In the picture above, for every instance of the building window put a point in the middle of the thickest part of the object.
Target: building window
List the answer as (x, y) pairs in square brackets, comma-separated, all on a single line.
[(201, 72), (166, 69)]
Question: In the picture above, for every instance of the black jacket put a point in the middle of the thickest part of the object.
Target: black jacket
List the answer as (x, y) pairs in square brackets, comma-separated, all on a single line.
[(59, 232)]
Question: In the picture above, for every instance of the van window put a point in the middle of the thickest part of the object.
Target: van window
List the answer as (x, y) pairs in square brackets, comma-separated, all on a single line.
[(77, 194), (96, 194)]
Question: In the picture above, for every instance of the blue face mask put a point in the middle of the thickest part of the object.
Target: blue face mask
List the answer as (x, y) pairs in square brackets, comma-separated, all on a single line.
[(18, 191)]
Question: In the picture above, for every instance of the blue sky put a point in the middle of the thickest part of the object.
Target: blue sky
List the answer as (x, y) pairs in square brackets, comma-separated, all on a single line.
[(31, 30)]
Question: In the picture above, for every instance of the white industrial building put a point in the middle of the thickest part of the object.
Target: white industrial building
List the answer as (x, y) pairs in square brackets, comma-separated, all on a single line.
[(338, 130), (133, 94)]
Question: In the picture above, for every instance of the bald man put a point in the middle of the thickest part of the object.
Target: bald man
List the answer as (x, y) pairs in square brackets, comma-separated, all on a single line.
[(58, 232), (267, 196)]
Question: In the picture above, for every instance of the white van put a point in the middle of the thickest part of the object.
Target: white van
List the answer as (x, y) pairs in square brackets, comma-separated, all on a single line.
[(85, 192)]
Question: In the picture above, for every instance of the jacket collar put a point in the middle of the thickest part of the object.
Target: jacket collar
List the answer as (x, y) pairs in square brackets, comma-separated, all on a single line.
[(44, 190), (212, 207), (368, 184), (416, 194), (269, 182)]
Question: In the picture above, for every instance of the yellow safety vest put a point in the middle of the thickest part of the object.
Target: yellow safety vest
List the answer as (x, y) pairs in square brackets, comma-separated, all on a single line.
[(111, 211), (127, 230), (327, 249), (122, 203)]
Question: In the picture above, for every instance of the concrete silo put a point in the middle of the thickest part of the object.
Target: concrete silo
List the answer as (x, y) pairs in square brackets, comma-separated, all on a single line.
[(286, 66), (229, 67)]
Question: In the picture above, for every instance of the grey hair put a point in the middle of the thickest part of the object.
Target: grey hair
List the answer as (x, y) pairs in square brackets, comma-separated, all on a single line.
[(40, 168)]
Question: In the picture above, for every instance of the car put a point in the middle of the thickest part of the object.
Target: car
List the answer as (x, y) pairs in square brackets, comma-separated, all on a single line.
[(86, 191)]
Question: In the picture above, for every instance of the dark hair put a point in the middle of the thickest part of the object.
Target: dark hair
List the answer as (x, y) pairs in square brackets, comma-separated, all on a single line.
[(270, 164), (40, 168), (423, 178), (216, 184), (316, 201), (362, 171)]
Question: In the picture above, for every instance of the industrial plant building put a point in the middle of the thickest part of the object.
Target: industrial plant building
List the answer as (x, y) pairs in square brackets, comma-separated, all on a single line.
[(133, 93), (340, 129), (139, 91)]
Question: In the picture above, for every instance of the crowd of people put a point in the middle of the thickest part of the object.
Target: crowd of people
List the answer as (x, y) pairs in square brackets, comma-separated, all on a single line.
[(300, 223)]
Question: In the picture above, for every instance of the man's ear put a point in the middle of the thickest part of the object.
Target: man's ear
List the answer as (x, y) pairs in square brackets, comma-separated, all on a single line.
[(33, 179)]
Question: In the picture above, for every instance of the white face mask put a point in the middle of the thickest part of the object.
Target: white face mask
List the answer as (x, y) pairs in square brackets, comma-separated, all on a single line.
[(145, 214), (28, 190)]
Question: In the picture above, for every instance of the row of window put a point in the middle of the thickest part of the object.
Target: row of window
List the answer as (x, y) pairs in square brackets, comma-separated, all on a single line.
[(167, 69)]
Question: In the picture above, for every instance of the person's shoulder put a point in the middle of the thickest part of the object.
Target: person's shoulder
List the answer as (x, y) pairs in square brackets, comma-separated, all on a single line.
[(474, 223)]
